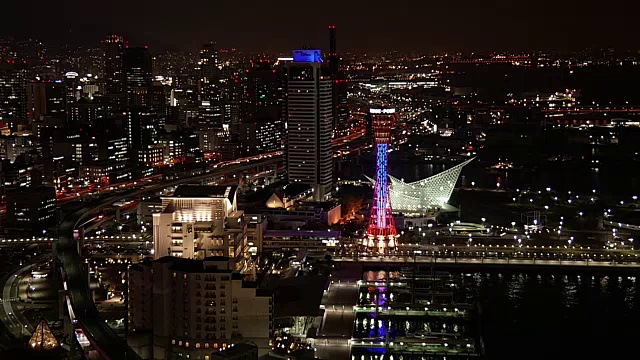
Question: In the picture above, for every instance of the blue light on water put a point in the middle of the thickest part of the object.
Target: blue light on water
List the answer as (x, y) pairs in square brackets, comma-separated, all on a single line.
[(377, 350)]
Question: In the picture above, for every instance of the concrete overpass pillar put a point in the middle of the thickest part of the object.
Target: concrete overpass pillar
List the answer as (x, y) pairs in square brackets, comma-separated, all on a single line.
[(80, 241), (61, 303)]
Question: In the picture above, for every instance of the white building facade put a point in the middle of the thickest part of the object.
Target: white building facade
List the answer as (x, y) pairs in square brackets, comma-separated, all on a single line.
[(309, 127), (200, 221)]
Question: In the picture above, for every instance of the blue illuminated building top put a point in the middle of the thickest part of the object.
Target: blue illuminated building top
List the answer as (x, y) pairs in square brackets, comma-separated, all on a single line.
[(307, 55)]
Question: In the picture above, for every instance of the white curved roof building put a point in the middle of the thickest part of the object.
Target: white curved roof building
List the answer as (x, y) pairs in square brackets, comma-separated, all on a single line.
[(424, 195)]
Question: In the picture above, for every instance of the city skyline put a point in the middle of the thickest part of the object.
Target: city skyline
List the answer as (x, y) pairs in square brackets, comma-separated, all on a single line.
[(356, 191), (263, 27)]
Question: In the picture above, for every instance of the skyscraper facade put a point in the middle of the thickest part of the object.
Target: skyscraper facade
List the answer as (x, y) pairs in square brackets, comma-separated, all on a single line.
[(113, 70), (138, 76), (13, 98), (264, 84), (211, 113), (309, 123), (340, 83), (46, 100), (209, 83)]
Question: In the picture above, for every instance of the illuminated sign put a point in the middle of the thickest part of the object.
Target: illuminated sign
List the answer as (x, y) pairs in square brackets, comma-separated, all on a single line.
[(382, 111), (307, 55)]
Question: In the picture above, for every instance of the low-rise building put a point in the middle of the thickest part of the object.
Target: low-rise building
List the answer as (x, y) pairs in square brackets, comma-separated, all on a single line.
[(322, 213), (106, 172), (201, 221), (256, 225), (146, 208), (294, 240), (241, 351)]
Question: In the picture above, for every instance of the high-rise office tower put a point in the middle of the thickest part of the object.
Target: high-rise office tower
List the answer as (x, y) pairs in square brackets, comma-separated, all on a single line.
[(233, 91), (340, 105), (46, 100), (210, 111), (73, 92), (113, 70), (142, 122), (138, 76), (142, 131), (309, 123), (209, 73), (262, 127), (13, 97), (264, 84), (333, 57)]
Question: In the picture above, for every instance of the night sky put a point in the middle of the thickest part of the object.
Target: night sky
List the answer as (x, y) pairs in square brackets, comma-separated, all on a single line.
[(420, 25)]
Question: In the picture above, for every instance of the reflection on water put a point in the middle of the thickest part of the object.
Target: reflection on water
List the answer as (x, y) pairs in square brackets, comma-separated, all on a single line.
[(569, 314), (522, 315)]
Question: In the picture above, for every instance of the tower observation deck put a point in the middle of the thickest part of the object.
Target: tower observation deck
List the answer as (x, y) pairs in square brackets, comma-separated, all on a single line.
[(381, 232)]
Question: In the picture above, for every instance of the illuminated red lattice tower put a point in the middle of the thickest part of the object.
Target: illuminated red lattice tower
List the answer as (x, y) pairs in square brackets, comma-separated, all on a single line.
[(381, 232)]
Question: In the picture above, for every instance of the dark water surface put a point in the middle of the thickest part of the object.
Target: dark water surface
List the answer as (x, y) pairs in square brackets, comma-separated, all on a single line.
[(556, 316)]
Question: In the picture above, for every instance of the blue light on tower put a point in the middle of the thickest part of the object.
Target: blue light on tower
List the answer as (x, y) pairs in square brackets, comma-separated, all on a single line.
[(382, 183), (307, 55)]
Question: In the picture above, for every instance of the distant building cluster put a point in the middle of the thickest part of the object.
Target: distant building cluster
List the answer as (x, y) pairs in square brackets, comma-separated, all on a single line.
[(118, 112)]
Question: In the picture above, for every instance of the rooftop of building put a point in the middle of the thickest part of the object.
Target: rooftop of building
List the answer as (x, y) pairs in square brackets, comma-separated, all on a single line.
[(196, 266), (202, 191), (303, 233), (295, 189), (241, 348), (297, 296), (200, 266), (324, 205), (281, 189)]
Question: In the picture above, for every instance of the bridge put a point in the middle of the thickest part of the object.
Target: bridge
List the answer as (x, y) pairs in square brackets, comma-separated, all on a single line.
[(26, 240), (348, 267), (84, 310)]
